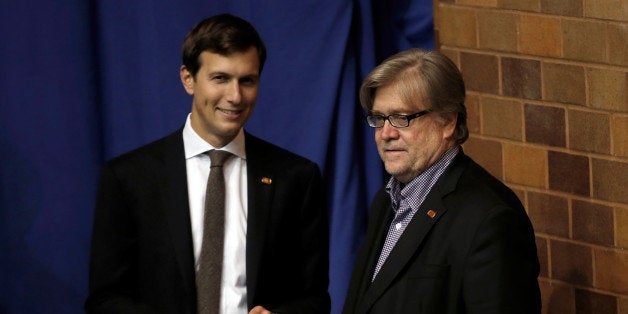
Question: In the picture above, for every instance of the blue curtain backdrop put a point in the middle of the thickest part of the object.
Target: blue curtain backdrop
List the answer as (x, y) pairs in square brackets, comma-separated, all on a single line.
[(84, 81)]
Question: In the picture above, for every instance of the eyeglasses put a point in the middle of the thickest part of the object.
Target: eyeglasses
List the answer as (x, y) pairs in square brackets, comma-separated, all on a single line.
[(396, 120)]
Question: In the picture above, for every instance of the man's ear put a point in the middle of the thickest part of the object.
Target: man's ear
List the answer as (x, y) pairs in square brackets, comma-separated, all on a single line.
[(449, 127), (187, 79)]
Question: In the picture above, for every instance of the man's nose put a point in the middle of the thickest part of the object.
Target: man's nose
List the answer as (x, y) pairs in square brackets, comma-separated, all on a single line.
[(234, 93), (388, 131)]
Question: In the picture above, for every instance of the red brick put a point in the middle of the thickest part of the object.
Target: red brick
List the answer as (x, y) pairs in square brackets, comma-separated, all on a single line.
[(497, 30), (568, 173), (619, 133), (589, 131), (610, 180), (571, 262), (502, 118), (545, 125), (524, 5), (611, 270), (622, 305), (621, 233), (617, 43), (549, 214), (564, 83), (584, 40), (606, 10), (557, 298), (521, 78), (456, 26), (480, 72), (563, 7), (589, 302), (593, 223), (540, 35), (472, 102), (607, 89), (481, 3), (525, 165), (487, 153)]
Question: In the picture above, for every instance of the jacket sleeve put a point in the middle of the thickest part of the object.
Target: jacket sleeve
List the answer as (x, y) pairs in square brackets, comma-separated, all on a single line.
[(113, 250), (501, 270), (313, 250)]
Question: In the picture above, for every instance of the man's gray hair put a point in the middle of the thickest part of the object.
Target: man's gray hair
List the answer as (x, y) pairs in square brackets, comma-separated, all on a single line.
[(420, 76)]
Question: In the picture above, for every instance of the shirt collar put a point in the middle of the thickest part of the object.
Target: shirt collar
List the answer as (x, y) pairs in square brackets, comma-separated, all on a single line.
[(427, 178), (194, 145)]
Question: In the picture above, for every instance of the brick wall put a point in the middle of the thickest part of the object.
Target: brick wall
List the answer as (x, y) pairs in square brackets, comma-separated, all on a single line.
[(548, 115)]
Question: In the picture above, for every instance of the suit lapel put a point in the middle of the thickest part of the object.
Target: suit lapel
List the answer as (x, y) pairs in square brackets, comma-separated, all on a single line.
[(377, 242), (404, 249), (260, 193), (414, 235), (174, 196)]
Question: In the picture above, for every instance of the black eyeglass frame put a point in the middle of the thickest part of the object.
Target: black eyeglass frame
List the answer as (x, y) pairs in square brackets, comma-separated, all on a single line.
[(370, 119)]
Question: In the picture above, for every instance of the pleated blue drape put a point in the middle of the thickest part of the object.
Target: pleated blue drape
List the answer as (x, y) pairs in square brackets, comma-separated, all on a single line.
[(84, 81)]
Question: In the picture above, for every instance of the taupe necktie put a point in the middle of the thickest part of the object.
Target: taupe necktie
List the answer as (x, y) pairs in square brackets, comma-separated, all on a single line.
[(209, 274)]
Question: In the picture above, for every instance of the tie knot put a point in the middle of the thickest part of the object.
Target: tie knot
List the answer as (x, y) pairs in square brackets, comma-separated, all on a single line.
[(218, 157)]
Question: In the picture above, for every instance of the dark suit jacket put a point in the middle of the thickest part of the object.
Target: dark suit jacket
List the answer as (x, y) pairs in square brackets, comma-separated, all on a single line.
[(142, 257), (477, 254)]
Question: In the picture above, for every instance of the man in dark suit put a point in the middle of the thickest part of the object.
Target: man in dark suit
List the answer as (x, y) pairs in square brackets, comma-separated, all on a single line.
[(444, 235), (149, 218)]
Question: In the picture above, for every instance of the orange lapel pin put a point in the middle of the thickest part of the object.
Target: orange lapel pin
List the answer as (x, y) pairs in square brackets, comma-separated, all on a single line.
[(267, 181), (431, 213)]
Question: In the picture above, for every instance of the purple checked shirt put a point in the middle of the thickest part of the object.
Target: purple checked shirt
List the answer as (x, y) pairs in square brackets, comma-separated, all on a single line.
[(406, 200)]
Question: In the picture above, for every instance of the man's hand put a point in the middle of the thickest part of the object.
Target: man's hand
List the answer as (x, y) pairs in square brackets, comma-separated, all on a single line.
[(260, 310)]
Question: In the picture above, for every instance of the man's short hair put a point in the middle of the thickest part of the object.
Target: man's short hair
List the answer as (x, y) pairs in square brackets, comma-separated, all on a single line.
[(422, 76), (222, 34)]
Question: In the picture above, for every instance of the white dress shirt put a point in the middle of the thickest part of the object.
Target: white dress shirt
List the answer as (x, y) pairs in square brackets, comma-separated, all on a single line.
[(233, 293)]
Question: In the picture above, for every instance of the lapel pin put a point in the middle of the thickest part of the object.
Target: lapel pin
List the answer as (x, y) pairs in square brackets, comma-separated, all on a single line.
[(267, 181), (431, 213)]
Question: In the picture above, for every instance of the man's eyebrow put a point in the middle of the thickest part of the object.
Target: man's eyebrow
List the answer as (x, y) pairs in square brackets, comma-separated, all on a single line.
[(218, 73), (221, 73)]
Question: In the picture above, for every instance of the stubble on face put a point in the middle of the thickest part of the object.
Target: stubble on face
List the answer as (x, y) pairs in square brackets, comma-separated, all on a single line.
[(407, 152)]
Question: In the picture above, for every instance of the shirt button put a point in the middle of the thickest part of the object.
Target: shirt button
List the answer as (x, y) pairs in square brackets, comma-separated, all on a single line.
[(398, 226)]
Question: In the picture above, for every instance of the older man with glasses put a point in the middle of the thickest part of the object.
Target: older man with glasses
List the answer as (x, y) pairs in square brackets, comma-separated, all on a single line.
[(444, 235)]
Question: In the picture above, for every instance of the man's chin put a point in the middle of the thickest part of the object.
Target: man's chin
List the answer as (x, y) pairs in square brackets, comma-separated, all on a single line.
[(230, 128), (393, 171), (229, 133), (403, 175)]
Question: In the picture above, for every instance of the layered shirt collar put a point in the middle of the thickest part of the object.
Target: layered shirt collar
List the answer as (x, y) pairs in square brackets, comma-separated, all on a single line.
[(194, 145), (416, 190)]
